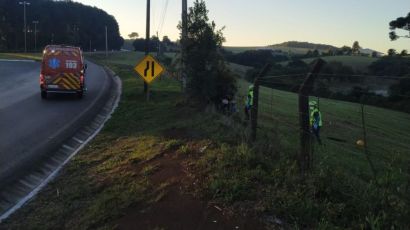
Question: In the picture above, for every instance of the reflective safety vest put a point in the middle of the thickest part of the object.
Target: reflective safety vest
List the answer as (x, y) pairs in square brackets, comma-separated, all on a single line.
[(249, 101), (315, 118)]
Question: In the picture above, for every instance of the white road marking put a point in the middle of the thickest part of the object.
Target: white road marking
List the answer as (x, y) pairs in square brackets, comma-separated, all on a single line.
[(53, 174), (77, 140), (16, 60)]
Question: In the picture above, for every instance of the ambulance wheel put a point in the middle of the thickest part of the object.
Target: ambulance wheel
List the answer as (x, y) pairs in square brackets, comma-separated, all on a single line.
[(43, 94), (80, 94)]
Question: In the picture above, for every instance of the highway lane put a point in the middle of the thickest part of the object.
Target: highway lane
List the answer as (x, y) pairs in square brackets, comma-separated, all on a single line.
[(28, 123)]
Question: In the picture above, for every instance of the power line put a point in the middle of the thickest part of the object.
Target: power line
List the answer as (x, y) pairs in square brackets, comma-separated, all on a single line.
[(163, 17), (364, 92)]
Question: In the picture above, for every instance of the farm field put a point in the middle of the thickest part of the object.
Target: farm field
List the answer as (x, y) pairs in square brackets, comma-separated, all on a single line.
[(388, 131), (358, 63)]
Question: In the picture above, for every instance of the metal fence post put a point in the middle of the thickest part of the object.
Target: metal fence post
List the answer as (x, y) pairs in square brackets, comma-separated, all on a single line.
[(366, 152), (254, 110)]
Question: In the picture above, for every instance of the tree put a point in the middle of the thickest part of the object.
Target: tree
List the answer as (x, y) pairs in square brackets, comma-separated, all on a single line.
[(402, 23), (356, 48), (133, 35), (330, 52), (346, 50), (166, 40), (316, 53), (209, 78), (60, 22), (375, 54), (391, 52), (404, 53), (390, 66), (3, 31)]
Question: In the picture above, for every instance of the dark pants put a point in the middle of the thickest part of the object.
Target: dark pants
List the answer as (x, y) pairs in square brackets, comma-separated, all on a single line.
[(316, 132), (247, 112)]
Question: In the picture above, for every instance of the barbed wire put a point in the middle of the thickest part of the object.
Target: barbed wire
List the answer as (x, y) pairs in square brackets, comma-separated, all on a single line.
[(295, 127), (350, 89), (281, 76), (364, 76)]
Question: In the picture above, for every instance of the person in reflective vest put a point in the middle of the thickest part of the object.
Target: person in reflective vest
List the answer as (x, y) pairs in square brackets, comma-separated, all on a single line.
[(315, 118), (249, 102)]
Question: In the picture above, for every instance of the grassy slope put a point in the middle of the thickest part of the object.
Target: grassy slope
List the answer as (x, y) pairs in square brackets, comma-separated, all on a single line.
[(387, 130), (101, 182), (104, 180), (239, 70), (239, 49)]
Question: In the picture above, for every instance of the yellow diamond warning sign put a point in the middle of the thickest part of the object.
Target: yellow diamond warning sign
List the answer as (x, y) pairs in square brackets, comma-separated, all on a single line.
[(149, 69)]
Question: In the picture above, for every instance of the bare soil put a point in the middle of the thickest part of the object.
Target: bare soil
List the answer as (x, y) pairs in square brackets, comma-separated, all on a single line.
[(175, 205)]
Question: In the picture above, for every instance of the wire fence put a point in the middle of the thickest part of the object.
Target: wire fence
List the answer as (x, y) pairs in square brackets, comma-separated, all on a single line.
[(358, 134)]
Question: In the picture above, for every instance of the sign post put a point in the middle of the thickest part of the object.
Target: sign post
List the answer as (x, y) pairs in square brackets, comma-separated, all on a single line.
[(147, 42)]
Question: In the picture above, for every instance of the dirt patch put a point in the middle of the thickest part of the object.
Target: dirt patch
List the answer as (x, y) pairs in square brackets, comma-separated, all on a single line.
[(173, 207), (181, 133)]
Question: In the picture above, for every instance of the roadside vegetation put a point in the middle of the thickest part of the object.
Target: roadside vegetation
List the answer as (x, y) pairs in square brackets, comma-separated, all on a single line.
[(179, 157), (24, 56), (112, 177)]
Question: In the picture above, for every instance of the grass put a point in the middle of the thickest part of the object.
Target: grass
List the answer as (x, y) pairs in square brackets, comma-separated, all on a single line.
[(240, 49), (387, 130), (339, 159), (99, 183), (27, 56), (239, 70), (106, 178)]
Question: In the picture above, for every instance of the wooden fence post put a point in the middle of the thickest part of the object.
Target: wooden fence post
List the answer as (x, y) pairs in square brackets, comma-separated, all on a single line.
[(305, 141), (254, 110)]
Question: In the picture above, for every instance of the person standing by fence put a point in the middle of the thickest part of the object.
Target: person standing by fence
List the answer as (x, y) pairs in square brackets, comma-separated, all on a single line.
[(249, 102), (315, 118)]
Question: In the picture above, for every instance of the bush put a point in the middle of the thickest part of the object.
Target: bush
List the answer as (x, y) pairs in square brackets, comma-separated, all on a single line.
[(391, 66)]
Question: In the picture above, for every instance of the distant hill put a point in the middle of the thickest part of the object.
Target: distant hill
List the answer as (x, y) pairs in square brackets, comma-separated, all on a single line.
[(370, 51), (298, 48), (304, 45)]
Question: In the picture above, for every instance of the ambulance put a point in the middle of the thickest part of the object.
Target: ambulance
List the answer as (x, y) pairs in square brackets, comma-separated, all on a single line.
[(62, 71)]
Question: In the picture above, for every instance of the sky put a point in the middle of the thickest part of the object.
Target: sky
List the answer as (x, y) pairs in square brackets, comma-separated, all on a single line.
[(267, 22)]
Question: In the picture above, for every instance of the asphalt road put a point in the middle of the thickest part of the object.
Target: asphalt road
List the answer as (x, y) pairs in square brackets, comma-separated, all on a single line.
[(29, 124)]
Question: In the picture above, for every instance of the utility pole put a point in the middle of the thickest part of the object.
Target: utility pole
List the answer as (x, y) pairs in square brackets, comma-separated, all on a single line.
[(35, 35), (159, 46), (106, 41), (147, 37), (25, 3), (183, 42)]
